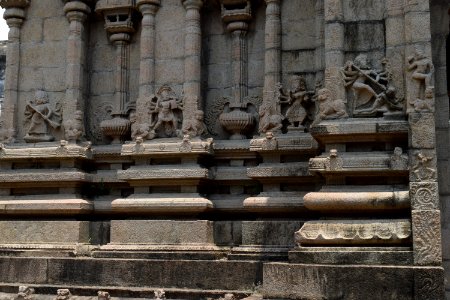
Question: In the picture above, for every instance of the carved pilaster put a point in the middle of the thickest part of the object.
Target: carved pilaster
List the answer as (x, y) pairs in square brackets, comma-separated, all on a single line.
[(76, 13), (148, 9), (119, 24), (192, 57), (334, 47), (272, 62), (14, 16)]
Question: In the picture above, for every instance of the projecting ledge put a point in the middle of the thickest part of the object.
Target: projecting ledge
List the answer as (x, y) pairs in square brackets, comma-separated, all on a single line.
[(162, 203), (44, 205), (363, 201)]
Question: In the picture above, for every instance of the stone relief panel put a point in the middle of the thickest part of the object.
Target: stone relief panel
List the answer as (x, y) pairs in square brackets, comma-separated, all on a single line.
[(422, 166), (372, 92), (426, 227), (424, 195), (41, 118), (420, 75), (429, 283), (329, 108), (422, 133)]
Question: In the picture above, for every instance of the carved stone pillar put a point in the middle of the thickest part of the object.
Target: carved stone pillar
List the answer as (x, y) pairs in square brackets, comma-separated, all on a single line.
[(237, 15), (119, 25), (76, 13), (148, 9), (424, 190), (192, 56), (272, 63), (14, 16), (334, 47)]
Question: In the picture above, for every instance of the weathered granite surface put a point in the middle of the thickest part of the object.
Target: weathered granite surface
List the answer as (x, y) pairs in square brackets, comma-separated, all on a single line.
[(178, 148)]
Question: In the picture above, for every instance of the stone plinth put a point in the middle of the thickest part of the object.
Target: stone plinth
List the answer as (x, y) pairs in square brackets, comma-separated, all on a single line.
[(161, 232), (307, 281), (15, 232)]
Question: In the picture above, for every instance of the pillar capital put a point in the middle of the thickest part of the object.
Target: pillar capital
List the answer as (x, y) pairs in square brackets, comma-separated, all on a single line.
[(76, 10), (272, 1), (146, 3), (14, 3), (148, 7), (192, 4), (14, 16)]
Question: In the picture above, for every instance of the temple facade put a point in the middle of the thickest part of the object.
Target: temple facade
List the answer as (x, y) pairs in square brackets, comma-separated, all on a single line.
[(225, 149)]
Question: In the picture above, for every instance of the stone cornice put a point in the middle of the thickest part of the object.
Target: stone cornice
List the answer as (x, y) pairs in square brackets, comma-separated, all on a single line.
[(14, 3)]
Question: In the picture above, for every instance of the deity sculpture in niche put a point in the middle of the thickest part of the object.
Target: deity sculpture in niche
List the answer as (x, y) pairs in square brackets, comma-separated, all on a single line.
[(166, 113), (327, 108), (41, 115), (372, 90), (73, 128), (422, 70)]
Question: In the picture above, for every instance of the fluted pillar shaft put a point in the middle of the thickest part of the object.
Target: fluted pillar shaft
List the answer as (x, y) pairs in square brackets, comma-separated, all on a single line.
[(272, 62), (192, 54), (76, 13), (239, 61), (121, 42)]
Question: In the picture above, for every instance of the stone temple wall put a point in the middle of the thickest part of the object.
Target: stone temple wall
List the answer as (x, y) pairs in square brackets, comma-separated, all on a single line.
[(225, 149)]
